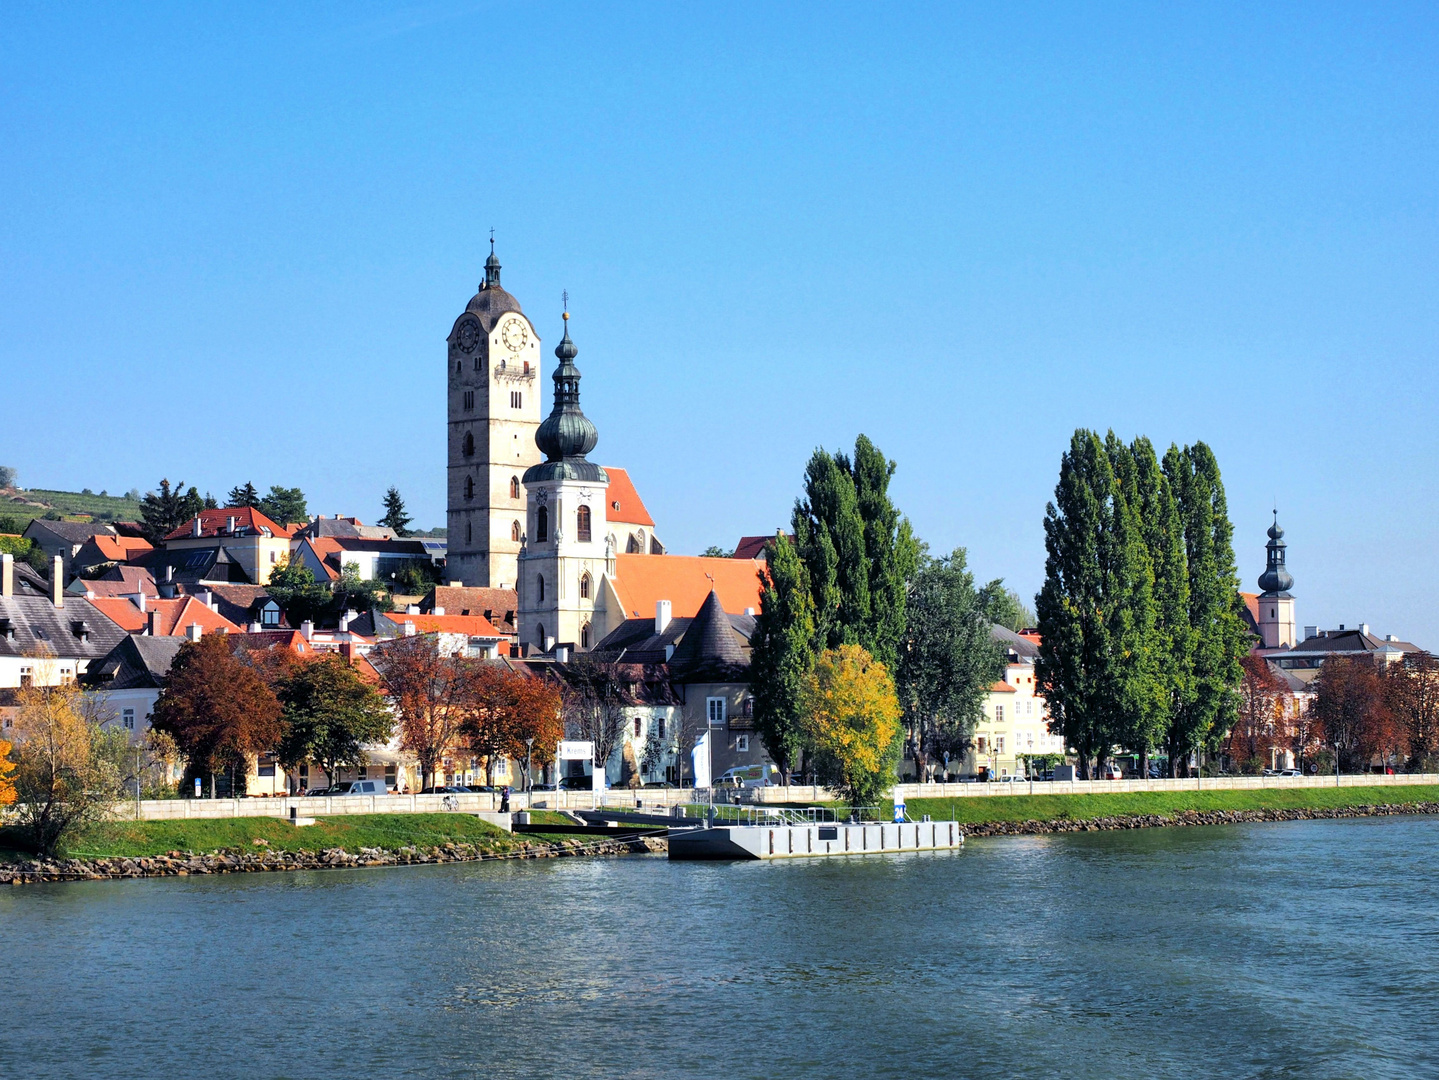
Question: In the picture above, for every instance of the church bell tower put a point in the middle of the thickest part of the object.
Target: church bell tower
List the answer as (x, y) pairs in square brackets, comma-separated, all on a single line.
[(493, 413), (1276, 606)]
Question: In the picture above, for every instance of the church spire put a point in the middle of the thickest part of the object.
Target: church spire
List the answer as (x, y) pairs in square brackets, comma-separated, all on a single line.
[(492, 267), (1275, 578), (567, 434)]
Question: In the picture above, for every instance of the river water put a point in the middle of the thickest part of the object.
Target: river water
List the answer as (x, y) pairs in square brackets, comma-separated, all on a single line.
[(1303, 949)]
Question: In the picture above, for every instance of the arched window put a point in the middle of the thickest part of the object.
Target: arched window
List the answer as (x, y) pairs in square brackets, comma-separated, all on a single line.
[(514, 487), (633, 546), (542, 524), (584, 586), (469, 533), (540, 635), (459, 366), (582, 524), (541, 580), (585, 636), (469, 487), (469, 445), (515, 531)]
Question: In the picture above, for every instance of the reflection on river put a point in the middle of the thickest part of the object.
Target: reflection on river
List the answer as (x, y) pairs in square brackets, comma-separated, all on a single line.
[(1303, 949)]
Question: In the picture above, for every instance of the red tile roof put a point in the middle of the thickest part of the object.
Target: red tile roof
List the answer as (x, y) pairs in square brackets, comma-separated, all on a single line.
[(120, 548), (174, 617), (473, 625), (215, 523), (685, 581), (624, 503), (752, 547)]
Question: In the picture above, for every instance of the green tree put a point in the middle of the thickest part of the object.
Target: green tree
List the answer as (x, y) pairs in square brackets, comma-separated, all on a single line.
[(162, 512), (293, 586), (852, 720), (328, 714), (1218, 639), (245, 496), (284, 506), (1095, 610), (714, 551), (1005, 606), (782, 653), (948, 659), (890, 550), (354, 593), (208, 503), (395, 517), (829, 533)]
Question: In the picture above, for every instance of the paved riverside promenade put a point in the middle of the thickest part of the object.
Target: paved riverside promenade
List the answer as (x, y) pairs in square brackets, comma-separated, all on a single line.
[(618, 798)]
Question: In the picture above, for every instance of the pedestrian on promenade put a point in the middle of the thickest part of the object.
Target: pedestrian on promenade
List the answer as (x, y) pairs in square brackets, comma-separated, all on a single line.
[(505, 799)]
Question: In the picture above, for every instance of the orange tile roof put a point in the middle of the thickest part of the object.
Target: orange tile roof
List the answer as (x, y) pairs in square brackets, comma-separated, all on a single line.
[(685, 581), (474, 625), (1002, 688), (215, 522), (324, 547), (120, 548), (174, 616), (624, 503), (752, 547), (269, 639)]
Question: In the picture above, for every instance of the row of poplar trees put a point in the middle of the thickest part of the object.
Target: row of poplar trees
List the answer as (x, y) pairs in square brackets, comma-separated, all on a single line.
[(1140, 613)]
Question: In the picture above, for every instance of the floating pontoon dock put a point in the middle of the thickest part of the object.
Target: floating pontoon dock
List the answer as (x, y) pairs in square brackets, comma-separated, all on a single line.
[(790, 836)]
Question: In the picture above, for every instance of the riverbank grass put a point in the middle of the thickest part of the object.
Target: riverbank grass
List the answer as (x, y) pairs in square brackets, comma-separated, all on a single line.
[(388, 832), (1019, 808)]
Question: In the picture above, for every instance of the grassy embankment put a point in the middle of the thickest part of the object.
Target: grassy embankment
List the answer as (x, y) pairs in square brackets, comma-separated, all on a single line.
[(1167, 803), (388, 832)]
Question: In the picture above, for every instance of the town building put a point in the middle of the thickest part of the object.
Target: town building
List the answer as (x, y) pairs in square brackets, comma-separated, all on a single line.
[(238, 536)]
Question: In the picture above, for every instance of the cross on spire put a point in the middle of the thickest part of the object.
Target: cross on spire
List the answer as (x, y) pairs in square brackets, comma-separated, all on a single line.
[(565, 299)]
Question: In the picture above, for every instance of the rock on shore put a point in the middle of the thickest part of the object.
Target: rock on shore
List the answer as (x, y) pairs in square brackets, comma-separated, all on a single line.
[(1192, 817), (184, 863)]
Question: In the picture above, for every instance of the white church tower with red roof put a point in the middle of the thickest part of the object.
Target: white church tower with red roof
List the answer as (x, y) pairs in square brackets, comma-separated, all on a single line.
[(493, 411)]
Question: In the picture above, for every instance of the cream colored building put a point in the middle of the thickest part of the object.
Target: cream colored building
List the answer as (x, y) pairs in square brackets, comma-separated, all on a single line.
[(248, 537), (1016, 719), (494, 411)]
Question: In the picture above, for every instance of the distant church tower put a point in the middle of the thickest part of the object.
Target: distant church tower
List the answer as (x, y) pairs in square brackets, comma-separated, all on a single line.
[(568, 548), (494, 411), (1276, 606)]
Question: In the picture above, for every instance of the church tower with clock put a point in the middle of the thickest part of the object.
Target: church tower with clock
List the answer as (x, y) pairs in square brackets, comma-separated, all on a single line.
[(493, 414)]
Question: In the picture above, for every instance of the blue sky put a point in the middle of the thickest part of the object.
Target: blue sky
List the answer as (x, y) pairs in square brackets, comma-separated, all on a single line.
[(232, 241)]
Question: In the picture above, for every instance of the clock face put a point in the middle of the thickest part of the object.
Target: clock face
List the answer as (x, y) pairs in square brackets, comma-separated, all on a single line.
[(469, 336), (515, 335)]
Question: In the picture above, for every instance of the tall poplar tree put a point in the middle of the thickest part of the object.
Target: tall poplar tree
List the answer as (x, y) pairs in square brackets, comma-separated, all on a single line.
[(1217, 636), (829, 533), (891, 552), (782, 652)]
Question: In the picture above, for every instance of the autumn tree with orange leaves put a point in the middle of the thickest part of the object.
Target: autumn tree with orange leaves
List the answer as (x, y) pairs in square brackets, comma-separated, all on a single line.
[(431, 689), (1263, 722), (505, 707), (1351, 703)]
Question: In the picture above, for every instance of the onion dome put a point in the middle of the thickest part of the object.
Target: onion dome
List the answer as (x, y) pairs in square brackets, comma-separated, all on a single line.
[(491, 301), (567, 434), (1275, 578)]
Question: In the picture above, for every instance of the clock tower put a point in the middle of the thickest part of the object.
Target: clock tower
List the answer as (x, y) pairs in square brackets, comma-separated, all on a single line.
[(493, 413)]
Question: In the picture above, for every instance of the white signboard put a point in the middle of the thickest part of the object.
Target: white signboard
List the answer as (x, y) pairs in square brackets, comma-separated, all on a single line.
[(576, 751)]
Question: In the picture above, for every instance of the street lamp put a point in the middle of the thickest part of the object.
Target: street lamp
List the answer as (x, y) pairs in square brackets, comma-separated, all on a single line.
[(529, 750)]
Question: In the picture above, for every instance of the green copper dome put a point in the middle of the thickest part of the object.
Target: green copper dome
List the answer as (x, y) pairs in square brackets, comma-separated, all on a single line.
[(567, 434)]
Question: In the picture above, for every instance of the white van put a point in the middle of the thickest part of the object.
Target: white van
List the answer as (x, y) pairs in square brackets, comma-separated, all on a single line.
[(361, 787), (749, 776)]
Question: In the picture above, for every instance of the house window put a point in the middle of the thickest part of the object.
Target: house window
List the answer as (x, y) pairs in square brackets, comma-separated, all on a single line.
[(541, 580), (715, 708), (542, 524), (392, 775), (26, 675), (638, 724), (514, 487), (469, 401), (515, 531), (516, 399), (469, 487), (585, 636), (999, 744), (660, 726), (582, 524), (999, 714), (127, 717), (304, 774), (540, 634), (584, 586), (270, 616), (468, 446), (741, 744), (273, 557)]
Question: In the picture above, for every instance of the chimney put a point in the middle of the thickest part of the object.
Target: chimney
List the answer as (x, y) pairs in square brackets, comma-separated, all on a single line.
[(345, 622), (140, 601), (347, 651), (413, 609), (1311, 632), (207, 598), (307, 629), (409, 628), (749, 611), (193, 632), (1364, 628), (152, 624), (457, 584), (439, 611), (255, 628), (562, 654), (195, 526), (57, 581), (549, 644), (230, 525), (169, 573), (7, 574), (662, 615)]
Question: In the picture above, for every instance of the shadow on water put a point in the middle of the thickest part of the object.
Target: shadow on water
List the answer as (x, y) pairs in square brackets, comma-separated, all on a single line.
[(1286, 950)]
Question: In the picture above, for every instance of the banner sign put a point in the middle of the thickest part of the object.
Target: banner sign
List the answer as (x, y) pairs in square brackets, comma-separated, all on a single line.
[(576, 751)]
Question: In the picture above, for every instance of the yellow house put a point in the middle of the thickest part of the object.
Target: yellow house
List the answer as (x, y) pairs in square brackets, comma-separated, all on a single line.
[(251, 539), (1016, 717)]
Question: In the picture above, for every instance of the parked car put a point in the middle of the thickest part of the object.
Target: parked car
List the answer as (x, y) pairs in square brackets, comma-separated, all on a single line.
[(445, 789), (576, 783), (315, 791), (1010, 779), (1110, 772), (360, 787), (1289, 772)]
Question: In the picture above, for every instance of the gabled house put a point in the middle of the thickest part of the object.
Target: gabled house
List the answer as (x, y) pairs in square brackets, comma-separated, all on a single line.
[(245, 535), (129, 679), (47, 637), (184, 616), (104, 549), (64, 539)]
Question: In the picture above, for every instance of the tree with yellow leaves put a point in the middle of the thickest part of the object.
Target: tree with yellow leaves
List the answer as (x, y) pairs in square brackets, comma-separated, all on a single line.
[(7, 767), (851, 721)]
